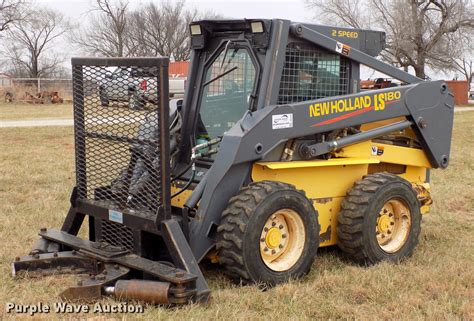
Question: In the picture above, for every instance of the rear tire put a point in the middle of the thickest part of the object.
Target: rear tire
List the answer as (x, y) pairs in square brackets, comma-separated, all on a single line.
[(380, 220), (269, 233)]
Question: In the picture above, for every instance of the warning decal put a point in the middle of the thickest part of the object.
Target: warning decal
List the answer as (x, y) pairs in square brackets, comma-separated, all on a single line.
[(342, 48)]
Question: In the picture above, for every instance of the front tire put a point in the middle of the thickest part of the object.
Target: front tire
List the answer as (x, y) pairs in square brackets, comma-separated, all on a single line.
[(380, 220), (269, 233)]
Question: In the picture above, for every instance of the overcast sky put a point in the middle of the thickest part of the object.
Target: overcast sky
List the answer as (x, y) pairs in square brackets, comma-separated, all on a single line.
[(287, 9), (294, 10)]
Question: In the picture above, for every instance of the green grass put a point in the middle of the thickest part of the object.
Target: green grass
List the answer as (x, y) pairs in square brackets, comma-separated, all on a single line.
[(23, 111), (37, 174)]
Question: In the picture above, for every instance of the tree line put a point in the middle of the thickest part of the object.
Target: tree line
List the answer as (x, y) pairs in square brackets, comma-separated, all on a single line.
[(421, 34)]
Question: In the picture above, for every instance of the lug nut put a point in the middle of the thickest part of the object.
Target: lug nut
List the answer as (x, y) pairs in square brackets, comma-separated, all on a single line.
[(273, 223), (280, 227), (265, 249), (283, 236), (392, 223), (265, 229), (262, 240), (273, 251), (280, 246)]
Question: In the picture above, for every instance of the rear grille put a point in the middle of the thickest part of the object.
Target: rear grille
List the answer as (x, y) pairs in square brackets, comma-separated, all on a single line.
[(117, 234), (121, 133)]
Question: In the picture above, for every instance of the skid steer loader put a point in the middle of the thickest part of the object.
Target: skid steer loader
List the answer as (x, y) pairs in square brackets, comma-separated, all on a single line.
[(273, 153)]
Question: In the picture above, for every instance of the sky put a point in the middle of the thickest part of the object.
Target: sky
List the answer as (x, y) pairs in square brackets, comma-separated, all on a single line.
[(287, 9)]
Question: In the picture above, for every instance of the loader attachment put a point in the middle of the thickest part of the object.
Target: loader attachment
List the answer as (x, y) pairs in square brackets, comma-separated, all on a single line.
[(123, 187)]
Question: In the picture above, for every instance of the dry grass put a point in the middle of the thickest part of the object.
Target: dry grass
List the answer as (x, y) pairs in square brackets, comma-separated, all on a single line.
[(23, 111), (437, 283)]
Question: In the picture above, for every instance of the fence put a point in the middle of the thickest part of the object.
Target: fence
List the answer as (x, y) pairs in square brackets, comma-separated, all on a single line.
[(33, 89)]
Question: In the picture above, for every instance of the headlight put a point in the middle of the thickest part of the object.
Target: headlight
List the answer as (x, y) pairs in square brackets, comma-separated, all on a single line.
[(195, 30), (257, 27)]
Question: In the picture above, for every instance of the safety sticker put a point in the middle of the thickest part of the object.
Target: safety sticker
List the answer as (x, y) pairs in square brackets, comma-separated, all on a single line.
[(377, 150), (115, 216), (342, 48), (282, 121)]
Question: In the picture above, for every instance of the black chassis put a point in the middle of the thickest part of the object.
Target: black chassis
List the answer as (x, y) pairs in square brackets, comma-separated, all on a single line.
[(427, 105)]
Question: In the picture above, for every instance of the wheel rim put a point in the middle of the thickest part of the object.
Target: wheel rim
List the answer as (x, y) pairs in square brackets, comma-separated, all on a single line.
[(282, 240), (393, 225)]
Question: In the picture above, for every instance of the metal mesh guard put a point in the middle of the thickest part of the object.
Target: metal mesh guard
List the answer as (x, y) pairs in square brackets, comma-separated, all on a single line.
[(117, 235), (120, 108), (311, 72)]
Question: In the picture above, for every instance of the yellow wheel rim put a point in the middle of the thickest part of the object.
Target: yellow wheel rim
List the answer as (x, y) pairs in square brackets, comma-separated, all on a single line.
[(393, 225), (282, 240)]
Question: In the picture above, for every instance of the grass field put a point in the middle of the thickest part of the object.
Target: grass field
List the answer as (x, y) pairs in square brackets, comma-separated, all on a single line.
[(37, 175), (22, 111)]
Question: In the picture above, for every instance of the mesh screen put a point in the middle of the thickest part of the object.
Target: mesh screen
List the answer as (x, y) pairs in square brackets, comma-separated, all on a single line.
[(119, 153), (117, 234), (311, 73)]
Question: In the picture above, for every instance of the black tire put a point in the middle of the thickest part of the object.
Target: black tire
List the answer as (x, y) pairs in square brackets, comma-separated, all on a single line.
[(358, 219), (239, 234), (104, 99)]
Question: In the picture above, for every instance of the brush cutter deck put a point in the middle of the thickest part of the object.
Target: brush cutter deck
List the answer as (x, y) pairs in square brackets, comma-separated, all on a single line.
[(106, 264)]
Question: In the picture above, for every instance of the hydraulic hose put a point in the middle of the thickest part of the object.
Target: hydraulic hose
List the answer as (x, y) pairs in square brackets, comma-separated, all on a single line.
[(185, 187)]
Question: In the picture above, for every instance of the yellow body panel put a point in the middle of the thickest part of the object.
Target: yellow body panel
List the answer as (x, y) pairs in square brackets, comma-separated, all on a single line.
[(179, 200), (320, 163), (388, 154), (326, 183)]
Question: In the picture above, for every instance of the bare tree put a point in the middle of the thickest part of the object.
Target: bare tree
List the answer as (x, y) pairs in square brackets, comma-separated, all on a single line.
[(9, 12), (461, 60), (151, 30), (417, 30), (30, 42), (162, 30), (106, 34)]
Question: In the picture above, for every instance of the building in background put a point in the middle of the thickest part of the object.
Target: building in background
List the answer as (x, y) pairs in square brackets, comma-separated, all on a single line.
[(460, 89)]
